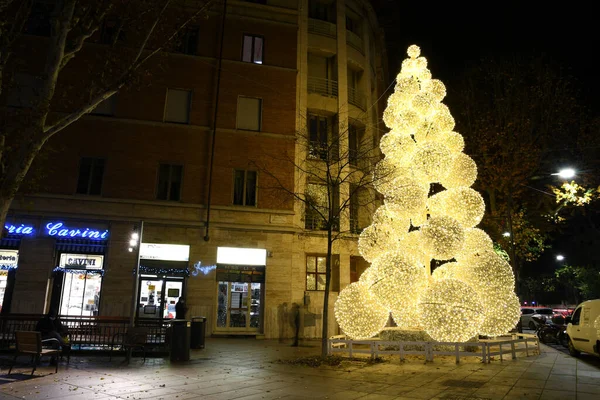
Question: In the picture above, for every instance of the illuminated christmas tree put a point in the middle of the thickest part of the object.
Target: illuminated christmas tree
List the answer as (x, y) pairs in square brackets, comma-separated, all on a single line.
[(430, 212)]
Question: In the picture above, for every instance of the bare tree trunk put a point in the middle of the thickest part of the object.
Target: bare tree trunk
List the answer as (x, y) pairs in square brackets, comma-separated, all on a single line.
[(325, 332)]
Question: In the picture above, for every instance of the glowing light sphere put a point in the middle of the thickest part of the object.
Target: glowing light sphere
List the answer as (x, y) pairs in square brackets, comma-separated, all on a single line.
[(358, 312), (375, 240), (408, 195), (406, 88), (392, 217), (463, 172), (443, 119), (407, 317), (413, 51), (424, 104), (463, 204), (502, 312), (476, 240), (398, 147), (426, 132), (436, 88), (486, 271), (451, 311), (412, 246), (432, 161), (445, 271), (397, 280), (453, 140), (443, 237)]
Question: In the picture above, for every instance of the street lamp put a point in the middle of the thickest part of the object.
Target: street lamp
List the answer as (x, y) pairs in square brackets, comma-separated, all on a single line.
[(566, 173), (560, 257)]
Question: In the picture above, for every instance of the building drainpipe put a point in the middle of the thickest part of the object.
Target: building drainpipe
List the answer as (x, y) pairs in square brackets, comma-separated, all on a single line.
[(214, 136)]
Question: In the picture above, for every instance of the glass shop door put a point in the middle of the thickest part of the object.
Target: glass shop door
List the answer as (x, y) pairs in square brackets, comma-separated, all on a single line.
[(158, 297), (238, 306)]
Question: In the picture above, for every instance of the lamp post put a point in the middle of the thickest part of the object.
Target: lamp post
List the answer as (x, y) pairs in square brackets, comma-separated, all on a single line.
[(135, 242), (563, 173)]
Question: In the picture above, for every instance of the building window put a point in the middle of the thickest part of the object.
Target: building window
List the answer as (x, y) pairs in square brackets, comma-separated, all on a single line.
[(252, 49), (177, 108), (169, 182), (244, 188), (324, 144), (91, 172), (315, 272), (318, 200), (106, 107), (249, 110), (189, 41), (353, 145)]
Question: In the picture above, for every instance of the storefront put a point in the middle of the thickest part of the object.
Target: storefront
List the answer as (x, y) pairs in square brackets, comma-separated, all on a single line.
[(9, 260), (77, 277), (240, 289), (163, 274)]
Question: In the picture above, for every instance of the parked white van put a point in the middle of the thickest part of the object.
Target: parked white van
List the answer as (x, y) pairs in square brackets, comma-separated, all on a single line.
[(584, 329)]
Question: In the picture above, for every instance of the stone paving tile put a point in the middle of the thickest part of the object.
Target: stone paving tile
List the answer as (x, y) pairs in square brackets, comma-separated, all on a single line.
[(492, 391), (558, 395), (344, 395), (423, 393), (518, 393), (561, 382), (589, 388), (395, 390), (531, 383), (587, 396)]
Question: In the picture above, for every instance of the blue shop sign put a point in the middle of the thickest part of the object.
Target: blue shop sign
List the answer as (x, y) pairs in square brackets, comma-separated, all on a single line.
[(20, 230), (59, 230)]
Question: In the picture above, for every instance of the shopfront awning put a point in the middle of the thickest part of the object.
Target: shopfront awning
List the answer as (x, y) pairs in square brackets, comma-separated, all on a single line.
[(81, 246)]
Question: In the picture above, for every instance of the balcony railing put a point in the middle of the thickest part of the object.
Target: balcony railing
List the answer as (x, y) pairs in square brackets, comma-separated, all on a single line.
[(355, 227), (323, 28), (314, 222), (355, 41), (357, 98), (322, 86)]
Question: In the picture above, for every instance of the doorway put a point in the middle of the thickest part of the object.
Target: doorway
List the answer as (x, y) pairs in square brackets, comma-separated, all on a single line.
[(239, 306), (158, 296)]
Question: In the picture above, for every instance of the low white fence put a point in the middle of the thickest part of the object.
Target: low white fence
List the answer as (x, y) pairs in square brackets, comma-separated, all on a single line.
[(484, 348)]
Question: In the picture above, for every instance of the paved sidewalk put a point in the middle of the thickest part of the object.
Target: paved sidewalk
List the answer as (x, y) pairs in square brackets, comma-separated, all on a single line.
[(248, 369)]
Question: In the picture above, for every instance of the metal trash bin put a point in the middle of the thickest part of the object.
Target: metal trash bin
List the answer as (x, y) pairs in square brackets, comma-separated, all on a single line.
[(198, 332), (180, 340)]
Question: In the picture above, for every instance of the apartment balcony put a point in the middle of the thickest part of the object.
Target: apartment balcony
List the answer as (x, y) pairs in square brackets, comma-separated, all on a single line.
[(357, 98), (355, 227), (322, 28), (313, 222), (324, 87), (355, 41)]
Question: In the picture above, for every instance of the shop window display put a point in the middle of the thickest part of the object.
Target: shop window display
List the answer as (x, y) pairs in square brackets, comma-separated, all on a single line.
[(80, 293)]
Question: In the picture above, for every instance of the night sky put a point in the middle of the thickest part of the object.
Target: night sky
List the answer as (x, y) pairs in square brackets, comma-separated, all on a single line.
[(450, 36)]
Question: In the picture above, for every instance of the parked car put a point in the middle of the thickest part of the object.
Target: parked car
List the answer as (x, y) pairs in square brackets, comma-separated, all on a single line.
[(528, 312), (583, 328)]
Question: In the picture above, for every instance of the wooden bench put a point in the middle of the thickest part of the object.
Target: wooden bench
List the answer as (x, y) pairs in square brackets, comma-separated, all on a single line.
[(30, 343)]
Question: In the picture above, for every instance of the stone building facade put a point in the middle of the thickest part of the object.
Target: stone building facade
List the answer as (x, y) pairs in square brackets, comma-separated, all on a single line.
[(145, 155)]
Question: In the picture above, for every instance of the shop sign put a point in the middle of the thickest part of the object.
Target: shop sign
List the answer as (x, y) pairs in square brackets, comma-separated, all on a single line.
[(9, 258), (241, 256), (81, 261), (21, 229), (167, 252), (58, 229)]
